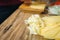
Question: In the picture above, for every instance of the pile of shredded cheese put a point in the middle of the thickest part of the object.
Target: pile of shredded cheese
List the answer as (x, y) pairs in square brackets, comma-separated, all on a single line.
[(49, 27)]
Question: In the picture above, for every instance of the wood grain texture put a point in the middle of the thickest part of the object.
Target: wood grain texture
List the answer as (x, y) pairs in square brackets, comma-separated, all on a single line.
[(14, 28), (8, 22)]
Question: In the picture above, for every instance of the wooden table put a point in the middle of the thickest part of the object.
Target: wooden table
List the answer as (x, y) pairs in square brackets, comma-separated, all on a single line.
[(14, 28)]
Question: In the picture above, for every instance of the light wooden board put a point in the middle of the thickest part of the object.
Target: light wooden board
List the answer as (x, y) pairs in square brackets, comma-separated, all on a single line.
[(14, 28)]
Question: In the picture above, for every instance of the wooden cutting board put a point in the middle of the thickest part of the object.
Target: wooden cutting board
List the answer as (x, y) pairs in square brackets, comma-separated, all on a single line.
[(14, 28)]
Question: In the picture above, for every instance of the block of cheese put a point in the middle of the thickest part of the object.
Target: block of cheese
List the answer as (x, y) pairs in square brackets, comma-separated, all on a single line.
[(33, 7)]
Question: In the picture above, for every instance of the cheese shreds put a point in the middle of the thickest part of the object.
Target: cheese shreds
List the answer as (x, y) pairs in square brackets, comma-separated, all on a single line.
[(49, 27)]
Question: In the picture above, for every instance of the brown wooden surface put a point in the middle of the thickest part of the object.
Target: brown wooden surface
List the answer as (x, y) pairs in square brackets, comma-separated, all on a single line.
[(14, 28)]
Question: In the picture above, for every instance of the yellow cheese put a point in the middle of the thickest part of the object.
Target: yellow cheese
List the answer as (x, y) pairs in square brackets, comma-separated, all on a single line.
[(49, 27), (52, 29)]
